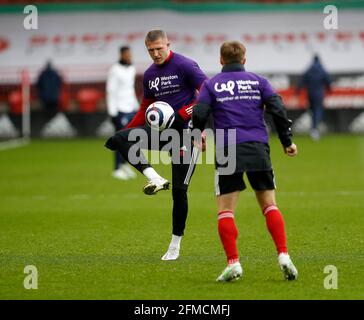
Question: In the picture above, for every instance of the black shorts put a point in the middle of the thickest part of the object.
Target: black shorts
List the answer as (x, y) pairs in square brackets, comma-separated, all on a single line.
[(249, 156), (259, 181)]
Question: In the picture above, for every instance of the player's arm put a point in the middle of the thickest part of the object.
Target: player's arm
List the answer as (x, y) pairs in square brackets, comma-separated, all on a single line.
[(139, 118), (196, 78), (148, 98), (202, 109), (185, 113), (201, 113), (291, 151), (182, 116), (275, 107)]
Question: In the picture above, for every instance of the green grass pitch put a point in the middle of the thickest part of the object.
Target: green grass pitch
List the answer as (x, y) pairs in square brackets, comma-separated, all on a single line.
[(93, 237)]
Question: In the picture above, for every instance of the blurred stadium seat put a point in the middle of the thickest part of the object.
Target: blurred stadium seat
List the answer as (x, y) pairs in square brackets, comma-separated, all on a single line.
[(65, 99), (88, 99), (15, 101)]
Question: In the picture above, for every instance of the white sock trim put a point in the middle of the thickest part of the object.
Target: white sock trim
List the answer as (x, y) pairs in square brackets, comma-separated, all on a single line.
[(150, 173)]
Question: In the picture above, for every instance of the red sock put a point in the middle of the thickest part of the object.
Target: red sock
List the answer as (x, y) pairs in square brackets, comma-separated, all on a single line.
[(275, 225), (228, 235)]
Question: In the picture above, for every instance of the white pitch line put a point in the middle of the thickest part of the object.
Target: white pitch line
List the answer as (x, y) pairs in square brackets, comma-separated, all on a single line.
[(322, 193), (80, 197), (339, 193), (12, 144)]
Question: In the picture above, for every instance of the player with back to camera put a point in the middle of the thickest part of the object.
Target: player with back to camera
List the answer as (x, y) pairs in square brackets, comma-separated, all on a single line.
[(245, 115), (174, 79)]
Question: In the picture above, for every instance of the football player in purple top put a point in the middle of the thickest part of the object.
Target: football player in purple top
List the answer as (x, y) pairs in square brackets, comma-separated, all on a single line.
[(174, 79), (237, 99)]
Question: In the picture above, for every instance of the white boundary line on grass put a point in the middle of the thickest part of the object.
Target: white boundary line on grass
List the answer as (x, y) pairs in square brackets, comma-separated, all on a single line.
[(134, 195), (12, 144)]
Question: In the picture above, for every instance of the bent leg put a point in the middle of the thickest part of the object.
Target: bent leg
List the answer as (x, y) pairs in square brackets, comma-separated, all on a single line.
[(130, 150)]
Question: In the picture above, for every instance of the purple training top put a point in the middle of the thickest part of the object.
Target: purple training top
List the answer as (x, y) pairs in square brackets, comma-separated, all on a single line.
[(237, 100), (174, 82)]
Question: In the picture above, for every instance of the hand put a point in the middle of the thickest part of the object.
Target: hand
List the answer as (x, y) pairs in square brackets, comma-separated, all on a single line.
[(201, 144), (291, 151), (203, 141)]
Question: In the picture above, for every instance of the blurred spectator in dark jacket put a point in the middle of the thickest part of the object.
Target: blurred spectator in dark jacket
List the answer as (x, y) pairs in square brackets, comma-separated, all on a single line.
[(315, 80), (49, 86)]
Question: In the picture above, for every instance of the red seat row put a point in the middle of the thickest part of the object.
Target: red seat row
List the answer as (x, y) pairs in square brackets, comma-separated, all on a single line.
[(87, 98)]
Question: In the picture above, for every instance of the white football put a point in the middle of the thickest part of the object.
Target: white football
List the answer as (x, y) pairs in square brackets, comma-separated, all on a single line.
[(159, 115)]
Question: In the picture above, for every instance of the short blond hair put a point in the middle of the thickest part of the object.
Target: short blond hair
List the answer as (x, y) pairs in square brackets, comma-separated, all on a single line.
[(232, 52), (154, 35)]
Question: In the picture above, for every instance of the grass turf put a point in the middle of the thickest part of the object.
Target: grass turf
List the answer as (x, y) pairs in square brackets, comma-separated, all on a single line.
[(93, 237)]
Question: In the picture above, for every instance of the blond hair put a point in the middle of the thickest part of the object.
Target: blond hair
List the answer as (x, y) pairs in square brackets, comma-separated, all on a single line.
[(154, 35)]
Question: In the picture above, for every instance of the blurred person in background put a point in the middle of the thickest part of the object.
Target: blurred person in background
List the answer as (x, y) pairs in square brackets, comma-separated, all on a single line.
[(315, 79), (122, 104), (49, 85)]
